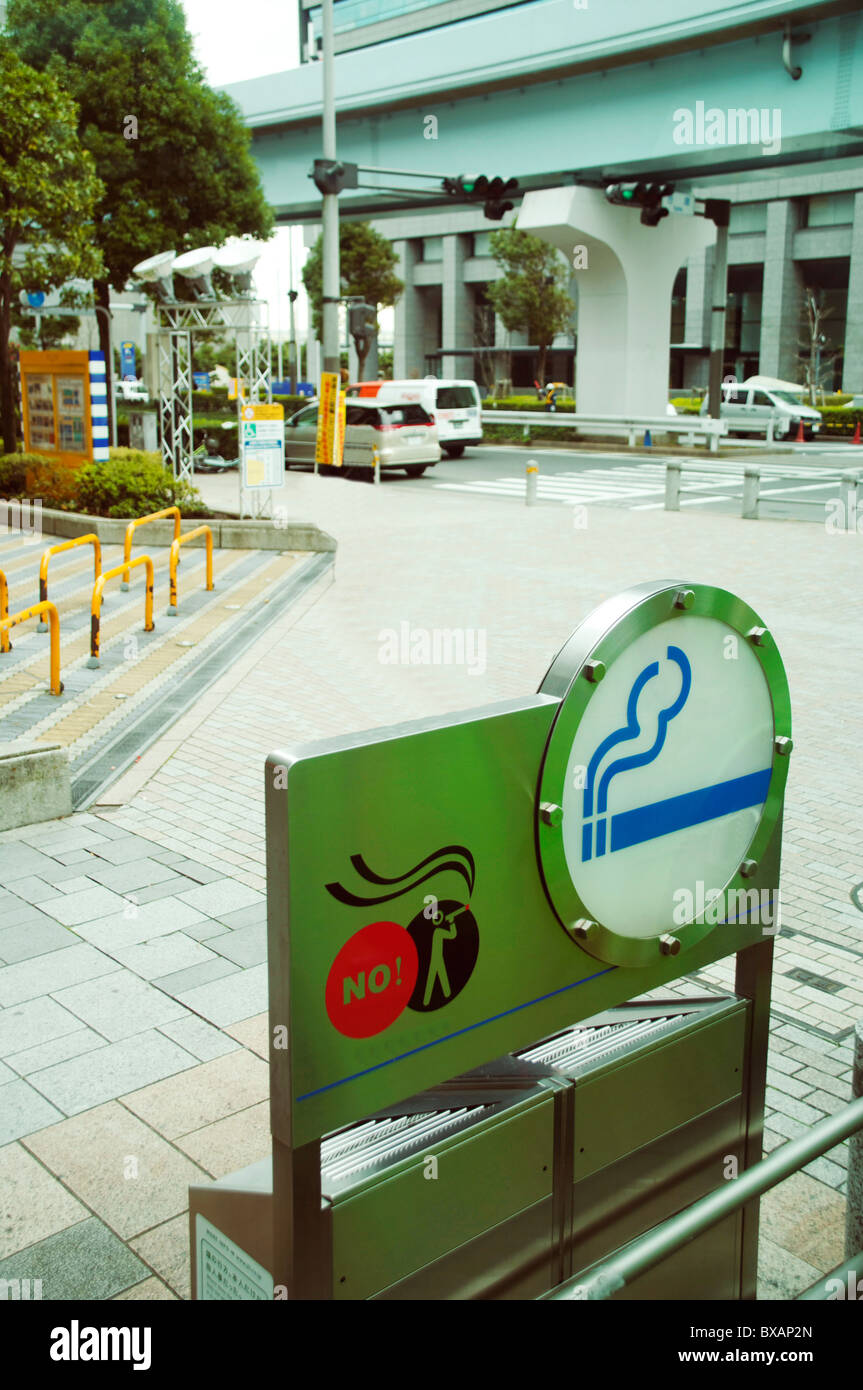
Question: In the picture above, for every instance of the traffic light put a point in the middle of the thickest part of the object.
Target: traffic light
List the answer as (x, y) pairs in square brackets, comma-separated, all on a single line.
[(496, 193), (362, 320), (332, 175), (499, 194), (647, 196)]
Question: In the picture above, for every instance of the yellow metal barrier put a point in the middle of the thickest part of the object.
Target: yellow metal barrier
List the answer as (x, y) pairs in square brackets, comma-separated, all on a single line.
[(142, 521), (91, 539), (96, 605), (175, 556), (55, 683), (5, 644)]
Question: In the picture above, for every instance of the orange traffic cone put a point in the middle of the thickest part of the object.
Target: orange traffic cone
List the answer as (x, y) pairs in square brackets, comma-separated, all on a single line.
[(799, 439), (856, 439)]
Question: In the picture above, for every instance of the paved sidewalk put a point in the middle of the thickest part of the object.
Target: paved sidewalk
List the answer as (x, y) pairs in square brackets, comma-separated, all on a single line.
[(132, 939)]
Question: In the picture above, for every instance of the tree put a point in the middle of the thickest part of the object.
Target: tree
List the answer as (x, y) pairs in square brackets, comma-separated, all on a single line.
[(48, 189), (173, 155), (532, 294), (366, 264), (818, 357)]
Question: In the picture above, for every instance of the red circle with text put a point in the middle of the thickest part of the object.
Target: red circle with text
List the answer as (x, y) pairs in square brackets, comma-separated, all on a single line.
[(371, 980)]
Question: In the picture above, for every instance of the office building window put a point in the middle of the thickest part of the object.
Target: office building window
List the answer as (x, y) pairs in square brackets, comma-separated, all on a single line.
[(830, 210), (433, 248)]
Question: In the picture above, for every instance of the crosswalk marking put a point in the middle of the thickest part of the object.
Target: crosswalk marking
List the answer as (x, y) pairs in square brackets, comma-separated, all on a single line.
[(639, 480)]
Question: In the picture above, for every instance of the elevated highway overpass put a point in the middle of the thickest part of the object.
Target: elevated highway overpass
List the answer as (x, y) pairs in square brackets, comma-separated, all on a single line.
[(552, 93)]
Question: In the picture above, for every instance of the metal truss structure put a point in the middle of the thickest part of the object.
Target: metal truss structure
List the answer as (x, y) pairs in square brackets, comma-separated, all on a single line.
[(246, 321)]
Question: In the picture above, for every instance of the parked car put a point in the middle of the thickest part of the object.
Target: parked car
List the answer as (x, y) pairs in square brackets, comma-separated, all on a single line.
[(402, 432), (748, 405), (455, 406)]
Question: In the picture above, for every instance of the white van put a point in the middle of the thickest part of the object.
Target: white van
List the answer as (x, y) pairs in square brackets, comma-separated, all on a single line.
[(748, 405), (456, 406)]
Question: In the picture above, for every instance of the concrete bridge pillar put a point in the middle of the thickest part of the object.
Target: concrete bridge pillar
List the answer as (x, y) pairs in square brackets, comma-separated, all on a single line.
[(782, 298), (625, 274), (457, 327), (409, 344)]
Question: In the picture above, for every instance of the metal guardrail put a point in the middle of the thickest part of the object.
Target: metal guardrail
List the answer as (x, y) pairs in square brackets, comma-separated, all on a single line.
[(614, 1274), (96, 603), (751, 494), (630, 425), (91, 539), (175, 559), (142, 521), (55, 684)]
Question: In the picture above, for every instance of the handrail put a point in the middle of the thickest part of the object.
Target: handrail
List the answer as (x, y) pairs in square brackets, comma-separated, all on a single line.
[(55, 684), (614, 1273), (629, 425), (96, 604), (5, 644), (142, 521), (91, 539), (174, 559)]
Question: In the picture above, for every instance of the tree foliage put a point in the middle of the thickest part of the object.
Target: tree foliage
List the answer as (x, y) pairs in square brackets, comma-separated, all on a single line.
[(532, 295), (367, 269), (173, 155), (48, 191)]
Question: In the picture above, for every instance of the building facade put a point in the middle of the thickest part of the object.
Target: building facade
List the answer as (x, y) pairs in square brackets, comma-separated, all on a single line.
[(789, 234)]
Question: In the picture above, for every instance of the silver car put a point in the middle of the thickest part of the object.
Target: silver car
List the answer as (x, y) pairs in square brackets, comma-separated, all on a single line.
[(397, 434)]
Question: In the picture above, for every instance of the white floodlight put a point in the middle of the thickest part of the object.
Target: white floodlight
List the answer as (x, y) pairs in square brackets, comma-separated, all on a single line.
[(239, 258), (196, 267), (156, 272)]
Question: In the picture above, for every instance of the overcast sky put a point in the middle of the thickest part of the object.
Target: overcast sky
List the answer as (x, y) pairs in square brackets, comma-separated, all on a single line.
[(236, 39)]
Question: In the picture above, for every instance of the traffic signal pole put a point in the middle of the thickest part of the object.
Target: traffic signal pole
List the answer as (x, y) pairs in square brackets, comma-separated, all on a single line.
[(330, 213), (717, 316)]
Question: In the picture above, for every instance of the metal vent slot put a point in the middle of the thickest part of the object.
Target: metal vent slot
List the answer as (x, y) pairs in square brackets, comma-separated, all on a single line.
[(585, 1045), (345, 1155)]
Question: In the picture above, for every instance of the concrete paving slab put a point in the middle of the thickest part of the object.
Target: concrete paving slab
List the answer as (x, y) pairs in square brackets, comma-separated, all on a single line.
[(31, 939), (163, 956), (150, 1290), (31, 1023), (29, 979), (166, 1250), (119, 1006), (247, 945), (111, 1071), (136, 924), (22, 1110), (231, 1144), (230, 1000), (48, 1054), (33, 1204), (182, 981), (199, 1097), (85, 1261), (201, 1039), (91, 904), (222, 895), (124, 1172), (253, 1033)]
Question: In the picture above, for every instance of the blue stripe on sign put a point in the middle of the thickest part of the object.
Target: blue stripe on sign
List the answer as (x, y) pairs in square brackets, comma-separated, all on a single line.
[(100, 436), (692, 808)]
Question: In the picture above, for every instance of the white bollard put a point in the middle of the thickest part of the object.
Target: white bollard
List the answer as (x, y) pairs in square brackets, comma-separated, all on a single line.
[(531, 479), (848, 498), (751, 485), (673, 471)]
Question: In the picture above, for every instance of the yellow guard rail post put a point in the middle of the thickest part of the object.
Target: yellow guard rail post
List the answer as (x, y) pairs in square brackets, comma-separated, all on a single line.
[(5, 644), (142, 521), (55, 684), (91, 539), (96, 605), (175, 556)]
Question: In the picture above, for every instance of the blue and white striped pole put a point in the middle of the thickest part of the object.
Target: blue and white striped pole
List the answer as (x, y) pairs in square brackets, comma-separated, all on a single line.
[(99, 405)]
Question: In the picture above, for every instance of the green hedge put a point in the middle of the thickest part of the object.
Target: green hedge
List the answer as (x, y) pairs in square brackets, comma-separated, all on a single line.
[(129, 484)]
